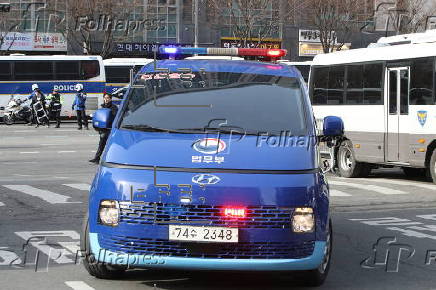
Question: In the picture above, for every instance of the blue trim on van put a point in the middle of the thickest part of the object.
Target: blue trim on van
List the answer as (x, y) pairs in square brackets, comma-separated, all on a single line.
[(141, 261)]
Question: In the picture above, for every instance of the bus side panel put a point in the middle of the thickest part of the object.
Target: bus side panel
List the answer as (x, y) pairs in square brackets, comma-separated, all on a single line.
[(422, 122), (364, 127)]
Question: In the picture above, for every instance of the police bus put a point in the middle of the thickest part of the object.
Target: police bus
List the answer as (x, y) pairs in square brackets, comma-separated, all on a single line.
[(386, 96), (18, 72), (118, 71)]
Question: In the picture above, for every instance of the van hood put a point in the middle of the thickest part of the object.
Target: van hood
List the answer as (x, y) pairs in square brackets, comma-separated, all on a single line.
[(250, 152)]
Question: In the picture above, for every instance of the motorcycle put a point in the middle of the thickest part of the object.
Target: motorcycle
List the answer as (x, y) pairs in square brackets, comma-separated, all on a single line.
[(16, 110)]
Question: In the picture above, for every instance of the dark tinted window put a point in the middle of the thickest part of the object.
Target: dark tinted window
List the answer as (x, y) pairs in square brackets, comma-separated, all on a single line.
[(33, 70), (336, 85), (304, 70), (404, 92), (393, 86), (372, 83), (255, 103), (354, 94), (89, 69), (320, 85), (67, 70), (421, 82), (5, 71), (117, 74)]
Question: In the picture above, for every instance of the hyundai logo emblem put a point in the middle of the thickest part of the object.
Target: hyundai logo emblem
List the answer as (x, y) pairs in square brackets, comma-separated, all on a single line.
[(209, 145), (205, 179)]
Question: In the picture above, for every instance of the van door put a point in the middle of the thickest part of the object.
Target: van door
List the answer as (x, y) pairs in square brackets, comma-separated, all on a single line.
[(397, 144)]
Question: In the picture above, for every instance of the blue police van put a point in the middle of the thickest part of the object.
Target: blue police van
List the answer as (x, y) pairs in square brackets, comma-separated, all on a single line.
[(211, 165)]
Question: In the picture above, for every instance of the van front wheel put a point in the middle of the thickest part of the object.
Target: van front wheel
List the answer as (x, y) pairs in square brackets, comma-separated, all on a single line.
[(95, 268), (432, 166), (316, 277)]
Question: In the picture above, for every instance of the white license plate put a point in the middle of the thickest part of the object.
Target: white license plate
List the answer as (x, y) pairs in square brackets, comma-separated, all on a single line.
[(203, 234)]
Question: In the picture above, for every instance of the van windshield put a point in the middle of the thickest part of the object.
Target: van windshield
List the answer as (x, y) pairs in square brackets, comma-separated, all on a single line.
[(191, 102)]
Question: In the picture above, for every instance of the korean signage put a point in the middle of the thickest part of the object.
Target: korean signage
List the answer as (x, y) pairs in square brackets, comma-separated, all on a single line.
[(312, 49), (30, 41), (229, 42), (310, 42), (142, 48)]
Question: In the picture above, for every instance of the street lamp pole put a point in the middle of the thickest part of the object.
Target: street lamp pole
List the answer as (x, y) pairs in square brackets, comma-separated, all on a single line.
[(196, 24)]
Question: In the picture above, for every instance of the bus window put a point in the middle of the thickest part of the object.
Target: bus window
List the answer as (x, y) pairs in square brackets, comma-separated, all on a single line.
[(354, 92), (393, 92), (67, 70), (336, 85), (421, 82), (5, 71), (304, 70), (320, 82), (117, 74), (33, 70), (89, 69), (372, 80), (404, 92)]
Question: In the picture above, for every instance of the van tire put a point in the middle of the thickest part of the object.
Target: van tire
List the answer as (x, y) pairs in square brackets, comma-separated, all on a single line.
[(347, 164), (316, 277), (97, 269), (432, 166)]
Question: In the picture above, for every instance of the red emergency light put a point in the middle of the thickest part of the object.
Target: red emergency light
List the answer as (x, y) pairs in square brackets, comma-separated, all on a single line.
[(234, 212)]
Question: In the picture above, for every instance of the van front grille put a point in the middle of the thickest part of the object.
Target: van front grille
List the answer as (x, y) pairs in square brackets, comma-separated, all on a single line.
[(164, 214)]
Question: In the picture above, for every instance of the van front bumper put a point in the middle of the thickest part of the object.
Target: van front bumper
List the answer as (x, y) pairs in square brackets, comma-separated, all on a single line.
[(156, 261)]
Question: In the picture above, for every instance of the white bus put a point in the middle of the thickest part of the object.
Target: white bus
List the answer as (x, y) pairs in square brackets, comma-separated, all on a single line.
[(386, 98), (118, 71), (19, 72)]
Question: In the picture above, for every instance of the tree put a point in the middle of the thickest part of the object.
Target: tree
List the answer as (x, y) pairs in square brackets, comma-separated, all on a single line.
[(247, 18), (96, 25), (336, 20), (410, 16)]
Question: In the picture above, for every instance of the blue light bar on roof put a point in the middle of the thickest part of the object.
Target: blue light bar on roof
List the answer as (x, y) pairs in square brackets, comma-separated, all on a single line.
[(274, 53)]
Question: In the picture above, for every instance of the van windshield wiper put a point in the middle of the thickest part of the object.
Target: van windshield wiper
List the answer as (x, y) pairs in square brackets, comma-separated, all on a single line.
[(147, 128), (224, 130)]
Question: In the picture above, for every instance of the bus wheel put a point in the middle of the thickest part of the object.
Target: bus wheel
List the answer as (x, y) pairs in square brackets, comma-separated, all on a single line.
[(317, 276), (347, 164), (95, 268), (432, 166)]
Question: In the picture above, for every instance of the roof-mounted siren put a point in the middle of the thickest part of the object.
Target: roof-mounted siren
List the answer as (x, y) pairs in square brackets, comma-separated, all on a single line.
[(273, 54)]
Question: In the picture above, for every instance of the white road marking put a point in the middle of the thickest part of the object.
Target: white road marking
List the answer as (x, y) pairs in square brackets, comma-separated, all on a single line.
[(401, 182), (49, 196), (29, 152), (387, 221), (67, 151), (370, 187), (79, 186), (334, 192), (2, 204), (45, 242), (78, 285)]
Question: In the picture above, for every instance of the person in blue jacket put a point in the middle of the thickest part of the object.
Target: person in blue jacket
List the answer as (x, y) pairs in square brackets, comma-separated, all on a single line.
[(79, 106)]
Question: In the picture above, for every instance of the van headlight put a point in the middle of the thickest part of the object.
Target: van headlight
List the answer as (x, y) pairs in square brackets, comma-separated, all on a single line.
[(109, 212), (303, 220)]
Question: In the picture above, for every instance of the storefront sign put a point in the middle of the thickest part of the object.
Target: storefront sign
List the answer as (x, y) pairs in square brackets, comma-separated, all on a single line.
[(229, 42), (143, 48), (312, 49)]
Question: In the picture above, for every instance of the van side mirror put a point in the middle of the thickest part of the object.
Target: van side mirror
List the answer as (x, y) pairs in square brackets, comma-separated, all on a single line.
[(102, 119), (333, 126), (2, 108)]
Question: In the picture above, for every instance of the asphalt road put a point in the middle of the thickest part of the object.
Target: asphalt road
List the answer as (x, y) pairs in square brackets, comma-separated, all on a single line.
[(44, 176)]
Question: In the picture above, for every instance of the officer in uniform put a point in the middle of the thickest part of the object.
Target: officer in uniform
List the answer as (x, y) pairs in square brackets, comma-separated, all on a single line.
[(56, 101), (104, 133), (79, 105), (37, 97)]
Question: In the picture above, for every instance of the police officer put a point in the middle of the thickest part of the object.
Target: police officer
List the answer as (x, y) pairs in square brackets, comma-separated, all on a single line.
[(79, 105), (104, 133), (37, 97), (56, 101)]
